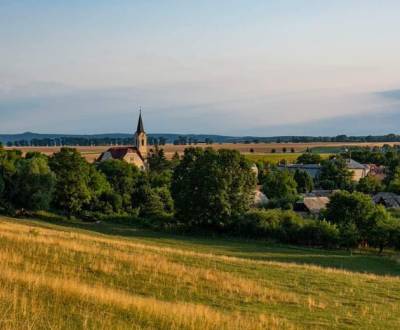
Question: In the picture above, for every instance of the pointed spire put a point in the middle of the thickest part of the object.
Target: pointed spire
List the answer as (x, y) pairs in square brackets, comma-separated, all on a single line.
[(140, 127)]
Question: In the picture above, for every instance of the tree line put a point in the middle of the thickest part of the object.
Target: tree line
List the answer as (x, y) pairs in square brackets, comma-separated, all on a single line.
[(193, 140), (203, 191)]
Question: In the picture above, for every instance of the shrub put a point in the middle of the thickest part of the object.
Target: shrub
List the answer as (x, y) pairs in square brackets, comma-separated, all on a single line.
[(319, 233)]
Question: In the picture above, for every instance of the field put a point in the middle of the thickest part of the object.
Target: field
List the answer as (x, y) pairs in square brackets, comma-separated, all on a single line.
[(259, 149), (103, 276)]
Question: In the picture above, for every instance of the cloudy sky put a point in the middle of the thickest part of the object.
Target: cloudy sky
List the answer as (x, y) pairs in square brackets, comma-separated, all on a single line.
[(254, 67)]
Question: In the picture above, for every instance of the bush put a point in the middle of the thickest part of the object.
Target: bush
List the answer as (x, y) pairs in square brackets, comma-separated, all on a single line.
[(319, 233), (276, 224)]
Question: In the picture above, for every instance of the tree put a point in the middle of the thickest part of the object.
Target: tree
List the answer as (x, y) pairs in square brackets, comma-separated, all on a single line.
[(384, 233), (123, 178), (281, 188), (394, 183), (34, 184), (335, 175), (304, 181), (210, 187), (355, 210), (72, 189), (309, 158), (175, 160), (9, 161), (369, 185), (157, 161), (153, 202)]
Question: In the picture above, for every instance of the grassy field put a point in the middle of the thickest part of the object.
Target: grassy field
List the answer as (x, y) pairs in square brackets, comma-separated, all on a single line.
[(92, 153), (277, 157), (102, 276)]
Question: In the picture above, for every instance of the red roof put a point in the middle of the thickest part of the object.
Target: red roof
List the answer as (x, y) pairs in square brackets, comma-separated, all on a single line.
[(120, 152)]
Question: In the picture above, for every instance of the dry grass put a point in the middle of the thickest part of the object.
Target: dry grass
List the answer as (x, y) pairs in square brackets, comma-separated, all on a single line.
[(92, 153), (57, 278)]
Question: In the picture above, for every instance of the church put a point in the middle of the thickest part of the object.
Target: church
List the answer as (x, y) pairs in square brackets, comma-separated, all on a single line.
[(136, 155)]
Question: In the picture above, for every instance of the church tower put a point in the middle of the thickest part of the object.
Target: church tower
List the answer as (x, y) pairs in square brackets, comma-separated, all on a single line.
[(141, 138)]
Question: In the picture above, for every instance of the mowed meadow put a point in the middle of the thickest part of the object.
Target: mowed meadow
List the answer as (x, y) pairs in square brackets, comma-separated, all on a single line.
[(108, 276)]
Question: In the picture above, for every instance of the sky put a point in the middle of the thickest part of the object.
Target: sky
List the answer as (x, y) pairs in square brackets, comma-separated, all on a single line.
[(255, 67)]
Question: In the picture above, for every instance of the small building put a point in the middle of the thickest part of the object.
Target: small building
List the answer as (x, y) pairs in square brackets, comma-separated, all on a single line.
[(359, 170), (387, 199), (312, 205), (136, 155)]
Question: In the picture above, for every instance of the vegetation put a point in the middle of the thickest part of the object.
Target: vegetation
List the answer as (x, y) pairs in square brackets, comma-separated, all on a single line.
[(335, 175), (304, 181), (58, 277), (360, 221), (273, 157), (205, 191), (309, 158), (210, 188), (281, 188)]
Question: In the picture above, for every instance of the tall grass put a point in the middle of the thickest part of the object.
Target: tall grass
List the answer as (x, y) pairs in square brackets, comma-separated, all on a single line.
[(57, 278)]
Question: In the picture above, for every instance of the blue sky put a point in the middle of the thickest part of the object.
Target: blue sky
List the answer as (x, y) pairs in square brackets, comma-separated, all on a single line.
[(223, 67)]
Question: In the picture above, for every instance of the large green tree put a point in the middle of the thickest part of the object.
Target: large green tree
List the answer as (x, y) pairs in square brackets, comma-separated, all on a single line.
[(394, 183), (309, 158), (355, 211), (369, 185), (72, 191), (211, 187), (304, 181), (335, 174), (34, 184), (280, 187), (9, 161), (123, 178)]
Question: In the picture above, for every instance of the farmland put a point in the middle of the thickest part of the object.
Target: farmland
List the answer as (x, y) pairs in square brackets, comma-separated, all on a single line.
[(253, 149), (101, 276)]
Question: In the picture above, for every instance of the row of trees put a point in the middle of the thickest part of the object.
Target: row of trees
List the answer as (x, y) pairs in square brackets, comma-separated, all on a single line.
[(206, 190), (206, 186), (82, 141)]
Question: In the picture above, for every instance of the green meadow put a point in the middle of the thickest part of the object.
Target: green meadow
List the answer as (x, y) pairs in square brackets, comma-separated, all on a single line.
[(108, 276), (277, 157)]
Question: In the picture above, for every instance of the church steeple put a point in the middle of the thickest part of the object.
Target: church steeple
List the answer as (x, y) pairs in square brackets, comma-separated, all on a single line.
[(140, 127), (141, 137)]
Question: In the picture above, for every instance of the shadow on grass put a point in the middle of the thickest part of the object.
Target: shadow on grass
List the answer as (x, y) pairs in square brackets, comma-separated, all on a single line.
[(363, 262)]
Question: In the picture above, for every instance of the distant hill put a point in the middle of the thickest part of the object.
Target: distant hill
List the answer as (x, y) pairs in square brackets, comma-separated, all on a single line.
[(171, 137)]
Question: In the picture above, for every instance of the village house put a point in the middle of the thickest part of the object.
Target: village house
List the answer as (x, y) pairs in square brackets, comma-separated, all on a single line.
[(136, 155), (312, 169), (387, 199), (311, 205), (359, 170)]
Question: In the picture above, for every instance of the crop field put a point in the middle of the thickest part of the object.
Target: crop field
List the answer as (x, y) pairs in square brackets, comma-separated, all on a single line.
[(253, 149), (276, 158), (107, 276)]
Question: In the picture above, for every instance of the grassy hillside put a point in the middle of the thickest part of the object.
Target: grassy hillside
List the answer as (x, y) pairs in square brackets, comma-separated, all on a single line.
[(102, 276)]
